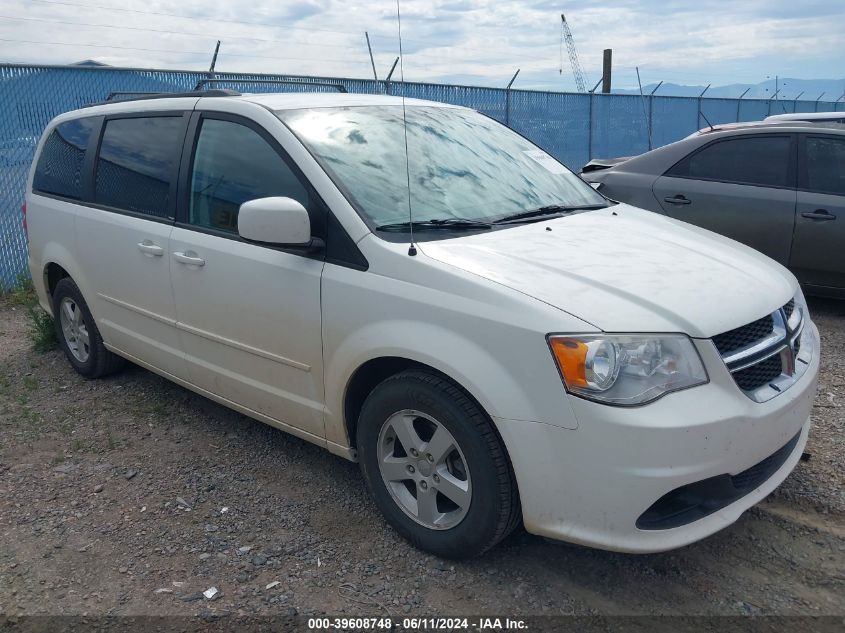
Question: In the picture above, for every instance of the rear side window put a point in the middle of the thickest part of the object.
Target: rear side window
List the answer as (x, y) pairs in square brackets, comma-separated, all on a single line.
[(826, 165), (136, 163), (59, 167), (234, 164), (762, 161)]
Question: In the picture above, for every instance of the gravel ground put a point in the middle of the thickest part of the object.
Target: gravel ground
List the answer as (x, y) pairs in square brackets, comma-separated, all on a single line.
[(130, 495)]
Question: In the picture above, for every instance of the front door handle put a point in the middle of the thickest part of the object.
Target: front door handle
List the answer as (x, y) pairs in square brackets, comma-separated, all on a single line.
[(189, 258), (677, 199), (150, 248), (818, 214)]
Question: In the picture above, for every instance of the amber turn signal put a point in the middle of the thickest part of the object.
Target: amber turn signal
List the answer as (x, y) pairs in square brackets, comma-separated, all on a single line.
[(571, 357)]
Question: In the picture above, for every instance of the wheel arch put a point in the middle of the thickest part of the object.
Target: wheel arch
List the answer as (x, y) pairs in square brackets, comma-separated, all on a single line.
[(372, 372), (53, 273), (56, 263)]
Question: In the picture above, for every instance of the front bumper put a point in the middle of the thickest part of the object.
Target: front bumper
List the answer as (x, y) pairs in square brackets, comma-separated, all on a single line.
[(590, 485)]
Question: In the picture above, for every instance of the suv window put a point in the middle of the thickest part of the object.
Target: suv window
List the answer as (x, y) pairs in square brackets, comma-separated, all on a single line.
[(59, 167), (826, 165), (758, 160), (234, 164), (136, 163)]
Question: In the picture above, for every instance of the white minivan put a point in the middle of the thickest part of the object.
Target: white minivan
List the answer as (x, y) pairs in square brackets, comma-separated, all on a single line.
[(421, 289)]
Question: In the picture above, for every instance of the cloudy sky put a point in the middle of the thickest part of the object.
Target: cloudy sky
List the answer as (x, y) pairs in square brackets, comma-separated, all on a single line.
[(469, 41)]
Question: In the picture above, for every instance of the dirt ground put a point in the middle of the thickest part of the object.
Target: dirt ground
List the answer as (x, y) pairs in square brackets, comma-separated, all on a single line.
[(130, 495)]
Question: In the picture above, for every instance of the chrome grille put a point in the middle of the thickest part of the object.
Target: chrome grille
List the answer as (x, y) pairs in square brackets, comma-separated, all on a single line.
[(788, 308), (762, 355), (743, 336)]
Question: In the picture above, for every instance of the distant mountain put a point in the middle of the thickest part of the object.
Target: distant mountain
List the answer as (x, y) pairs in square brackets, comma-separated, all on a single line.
[(89, 62), (789, 89)]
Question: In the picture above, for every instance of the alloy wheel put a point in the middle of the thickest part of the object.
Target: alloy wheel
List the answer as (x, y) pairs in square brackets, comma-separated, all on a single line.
[(74, 330), (424, 469)]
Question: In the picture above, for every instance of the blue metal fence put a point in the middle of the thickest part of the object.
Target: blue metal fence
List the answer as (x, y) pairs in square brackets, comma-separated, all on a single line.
[(572, 127)]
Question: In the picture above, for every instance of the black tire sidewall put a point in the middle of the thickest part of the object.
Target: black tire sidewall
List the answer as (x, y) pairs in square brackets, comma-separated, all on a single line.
[(478, 528), (67, 288)]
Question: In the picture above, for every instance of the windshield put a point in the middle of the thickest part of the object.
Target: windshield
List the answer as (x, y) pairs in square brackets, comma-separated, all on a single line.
[(462, 164)]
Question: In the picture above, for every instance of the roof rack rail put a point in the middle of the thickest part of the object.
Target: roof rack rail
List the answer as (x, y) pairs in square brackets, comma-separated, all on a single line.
[(113, 95), (204, 82), (142, 96)]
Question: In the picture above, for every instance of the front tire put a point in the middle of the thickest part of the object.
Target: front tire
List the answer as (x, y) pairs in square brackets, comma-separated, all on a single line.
[(78, 334), (436, 466)]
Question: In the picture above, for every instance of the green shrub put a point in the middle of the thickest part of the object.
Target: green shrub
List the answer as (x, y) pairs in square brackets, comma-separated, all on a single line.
[(21, 293), (42, 330)]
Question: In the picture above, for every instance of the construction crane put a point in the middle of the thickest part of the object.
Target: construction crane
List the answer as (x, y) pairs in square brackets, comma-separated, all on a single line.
[(566, 34)]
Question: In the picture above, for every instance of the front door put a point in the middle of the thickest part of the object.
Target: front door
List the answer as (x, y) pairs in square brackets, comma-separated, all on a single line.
[(248, 315), (818, 250)]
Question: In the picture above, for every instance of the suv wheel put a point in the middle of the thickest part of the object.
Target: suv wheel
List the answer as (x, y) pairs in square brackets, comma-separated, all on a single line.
[(78, 334), (435, 466)]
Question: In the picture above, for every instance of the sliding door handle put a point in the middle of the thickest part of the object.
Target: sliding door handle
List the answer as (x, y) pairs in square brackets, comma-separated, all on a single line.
[(189, 258), (150, 248), (818, 214), (678, 199)]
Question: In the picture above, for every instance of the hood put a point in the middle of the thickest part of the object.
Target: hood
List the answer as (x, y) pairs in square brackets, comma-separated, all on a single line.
[(623, 269)]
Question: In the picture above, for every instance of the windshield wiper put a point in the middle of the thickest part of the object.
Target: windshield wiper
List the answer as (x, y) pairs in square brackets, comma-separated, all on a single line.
[(436, 223), (542, 212)]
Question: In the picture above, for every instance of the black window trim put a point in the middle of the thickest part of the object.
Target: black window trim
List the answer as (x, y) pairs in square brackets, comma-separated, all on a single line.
[(803, 174), (91, 170), (84, 176), (187, 165), (357, 261), (790, 174)]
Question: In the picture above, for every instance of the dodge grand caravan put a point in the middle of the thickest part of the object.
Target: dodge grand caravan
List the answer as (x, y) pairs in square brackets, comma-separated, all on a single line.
[(494, 341)]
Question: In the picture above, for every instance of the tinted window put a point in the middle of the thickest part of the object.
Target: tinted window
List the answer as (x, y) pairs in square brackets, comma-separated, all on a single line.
[(826, 165), (234, 164), (136, 163), (753, 161), (59, 168)]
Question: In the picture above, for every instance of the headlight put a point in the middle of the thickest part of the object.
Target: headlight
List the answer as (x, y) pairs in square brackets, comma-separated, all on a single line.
[(799, 311), (627, 370)]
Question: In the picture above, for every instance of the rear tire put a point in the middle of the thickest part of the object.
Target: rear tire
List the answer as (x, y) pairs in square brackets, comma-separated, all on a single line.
[(78, 334), (436, 466)]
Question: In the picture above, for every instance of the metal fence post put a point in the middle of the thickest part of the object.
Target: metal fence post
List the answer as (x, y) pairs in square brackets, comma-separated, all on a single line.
[(698, 117), (389, 75), (795, 101), (739, 102), (590, 132), (651, 113), (590, 121), (508, 99)]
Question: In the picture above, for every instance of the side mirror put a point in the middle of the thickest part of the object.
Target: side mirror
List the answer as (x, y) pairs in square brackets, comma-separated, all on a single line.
[(277, 220)]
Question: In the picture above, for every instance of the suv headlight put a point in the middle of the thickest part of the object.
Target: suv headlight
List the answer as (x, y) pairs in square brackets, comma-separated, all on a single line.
[(626, 370)]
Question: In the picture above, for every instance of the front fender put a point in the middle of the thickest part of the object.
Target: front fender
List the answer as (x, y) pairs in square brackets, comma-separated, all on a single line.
[(434, 346), (495, 385)]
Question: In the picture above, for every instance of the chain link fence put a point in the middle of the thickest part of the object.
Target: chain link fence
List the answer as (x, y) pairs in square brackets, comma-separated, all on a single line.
[(573, 127)]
